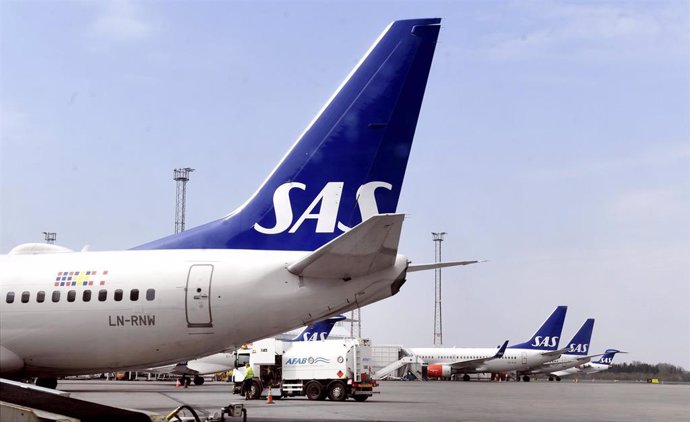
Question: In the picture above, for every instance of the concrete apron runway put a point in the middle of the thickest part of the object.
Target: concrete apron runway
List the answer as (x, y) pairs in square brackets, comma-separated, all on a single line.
[(417, 401)]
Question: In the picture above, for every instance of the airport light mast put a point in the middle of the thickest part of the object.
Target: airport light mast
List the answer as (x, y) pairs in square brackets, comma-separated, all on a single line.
[(50, 237), (438, 323), (181, 176)]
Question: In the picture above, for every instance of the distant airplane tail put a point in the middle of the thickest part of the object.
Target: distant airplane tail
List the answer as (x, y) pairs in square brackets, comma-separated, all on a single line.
[(607, 357), (548, 335), (319, 330), (349, 163), (579, 345)]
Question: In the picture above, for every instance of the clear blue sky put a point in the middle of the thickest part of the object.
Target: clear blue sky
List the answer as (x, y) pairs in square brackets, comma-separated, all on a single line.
[(554, 141)]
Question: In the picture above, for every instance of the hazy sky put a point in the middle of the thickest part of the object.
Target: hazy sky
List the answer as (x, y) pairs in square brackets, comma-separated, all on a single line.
[(554, 141)]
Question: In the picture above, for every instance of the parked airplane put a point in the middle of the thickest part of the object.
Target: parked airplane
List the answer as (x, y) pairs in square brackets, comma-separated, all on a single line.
[(318, 238), (542, 347), (602, 364), (574, 356), (221, 362)]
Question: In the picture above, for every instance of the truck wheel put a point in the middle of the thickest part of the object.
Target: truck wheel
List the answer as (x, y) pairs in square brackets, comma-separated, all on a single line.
[(337, 391), (314, 391), (198, 380), (360, 397), (255, 390)]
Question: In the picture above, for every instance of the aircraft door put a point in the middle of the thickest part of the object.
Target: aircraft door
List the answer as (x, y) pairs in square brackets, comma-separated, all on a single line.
[(524, 358), (198, 291)]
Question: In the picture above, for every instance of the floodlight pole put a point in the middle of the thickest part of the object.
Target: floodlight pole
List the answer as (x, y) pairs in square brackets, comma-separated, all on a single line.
[(50, 237), (438, 322), (181, 176)]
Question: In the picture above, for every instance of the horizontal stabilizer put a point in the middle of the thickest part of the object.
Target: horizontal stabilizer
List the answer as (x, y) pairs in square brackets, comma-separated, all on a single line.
[(555, 353), (424, 267), (38, 248), (369, 247)]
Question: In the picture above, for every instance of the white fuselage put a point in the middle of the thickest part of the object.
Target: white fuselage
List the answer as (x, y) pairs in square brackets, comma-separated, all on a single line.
[(199, 302), (512, 360)]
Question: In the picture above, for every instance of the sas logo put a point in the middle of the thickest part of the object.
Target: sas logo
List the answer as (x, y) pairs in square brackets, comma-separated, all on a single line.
[(310, 360), (547, 341), (578, 348), (313, 336), (606, 360), (327, 204)]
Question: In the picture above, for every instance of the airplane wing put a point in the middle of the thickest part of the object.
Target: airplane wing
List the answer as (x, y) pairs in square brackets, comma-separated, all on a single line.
[(435, 265), (369, 247), (475, 363), (585, 359)]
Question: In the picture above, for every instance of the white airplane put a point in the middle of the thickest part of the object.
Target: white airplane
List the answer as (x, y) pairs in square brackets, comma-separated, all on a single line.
[(318, 238), (443, 362), (602, 364), (221, 362), (575, 355)]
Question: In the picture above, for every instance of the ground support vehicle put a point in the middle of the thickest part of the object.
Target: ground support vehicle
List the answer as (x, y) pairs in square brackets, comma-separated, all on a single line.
[(337, 369)]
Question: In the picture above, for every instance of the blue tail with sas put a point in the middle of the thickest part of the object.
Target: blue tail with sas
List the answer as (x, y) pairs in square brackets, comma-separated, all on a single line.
[(347, 165), (548, 335)]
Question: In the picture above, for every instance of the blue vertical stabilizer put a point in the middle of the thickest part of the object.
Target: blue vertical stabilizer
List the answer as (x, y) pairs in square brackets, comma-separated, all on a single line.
[(347, 165), (607, 357), (579, 345), (548, 335), (319, 330)]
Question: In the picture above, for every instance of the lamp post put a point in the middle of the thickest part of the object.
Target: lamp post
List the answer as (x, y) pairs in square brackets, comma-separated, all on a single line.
[(50, 237), (181, 176), (438, 322)]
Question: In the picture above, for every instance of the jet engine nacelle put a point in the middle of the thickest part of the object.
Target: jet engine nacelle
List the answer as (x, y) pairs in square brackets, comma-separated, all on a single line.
[(438, 371)]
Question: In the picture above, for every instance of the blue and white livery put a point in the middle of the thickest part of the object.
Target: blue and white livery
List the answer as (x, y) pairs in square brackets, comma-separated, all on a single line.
[(601, 364), (577, 353), (318, 238), (442, 362), (362, 136)]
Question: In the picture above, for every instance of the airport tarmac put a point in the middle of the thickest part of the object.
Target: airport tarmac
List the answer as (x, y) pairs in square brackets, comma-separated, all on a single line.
[(417, 401)]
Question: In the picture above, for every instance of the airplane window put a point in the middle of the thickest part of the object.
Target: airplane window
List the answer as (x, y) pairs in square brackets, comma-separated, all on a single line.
[(40, 296), (25, 297), (118, 295), (134, 295), (102, 295), (56, 296), (71, 295), (150, 294), (10, 297), (86, 296)]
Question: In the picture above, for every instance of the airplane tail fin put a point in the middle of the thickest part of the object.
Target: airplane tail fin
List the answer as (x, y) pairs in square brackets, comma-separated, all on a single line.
[(607, 357), (549, 334), (319, 330), (347, 165), (579, 345)]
